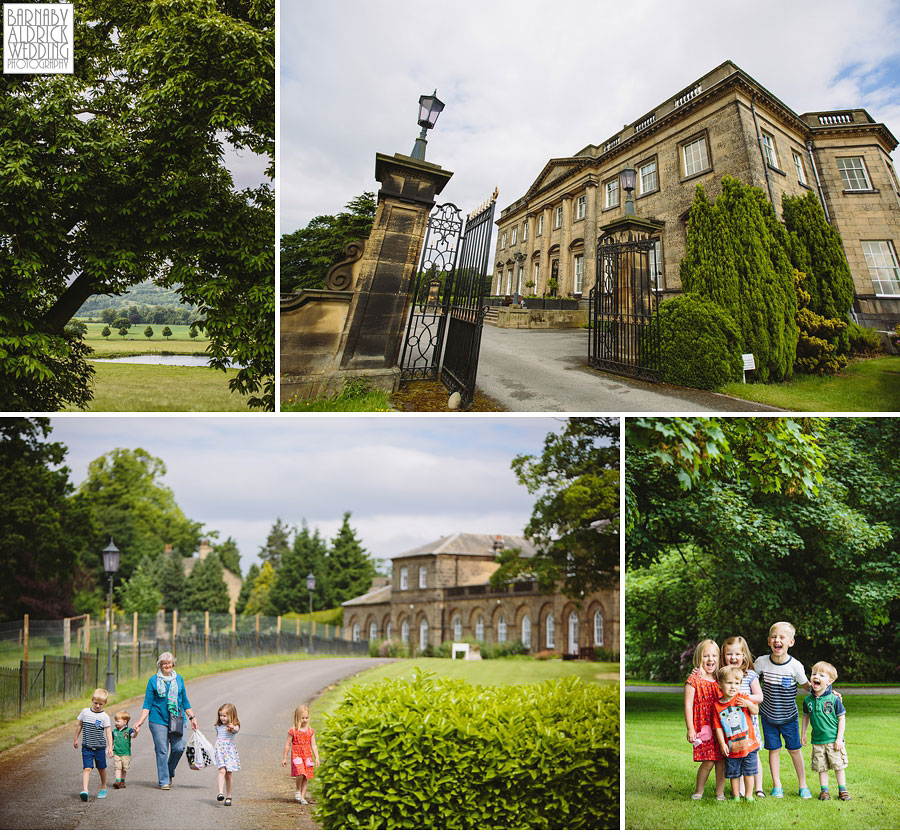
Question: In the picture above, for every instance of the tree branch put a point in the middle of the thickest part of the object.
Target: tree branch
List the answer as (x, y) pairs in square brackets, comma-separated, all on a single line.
[(75, 295)]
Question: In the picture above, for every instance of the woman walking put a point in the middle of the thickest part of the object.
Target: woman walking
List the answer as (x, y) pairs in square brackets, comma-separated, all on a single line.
[(165, 706)]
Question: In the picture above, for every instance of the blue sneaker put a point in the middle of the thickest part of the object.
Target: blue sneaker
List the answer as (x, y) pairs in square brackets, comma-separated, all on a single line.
[(101, 794), (805, 794), (777, 791), (84, 796)]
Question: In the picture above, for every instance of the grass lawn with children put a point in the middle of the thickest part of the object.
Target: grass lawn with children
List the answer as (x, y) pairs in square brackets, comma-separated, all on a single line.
[(660, 773)]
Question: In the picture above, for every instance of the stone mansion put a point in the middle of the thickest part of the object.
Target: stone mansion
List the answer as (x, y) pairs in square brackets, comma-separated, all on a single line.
[(440, 592), (724, 123)]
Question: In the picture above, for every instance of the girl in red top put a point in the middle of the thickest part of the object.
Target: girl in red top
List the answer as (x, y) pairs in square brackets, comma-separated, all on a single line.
[(301, 744), (701, 692)]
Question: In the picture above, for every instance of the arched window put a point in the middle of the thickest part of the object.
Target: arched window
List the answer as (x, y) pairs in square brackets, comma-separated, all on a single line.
[(526, 632), (388, 631), (479, 629), (404, 632), (423, 634), (373, 631), (598, 628), (550, 631), (501, 629), (457, 628), (355, 631), (573, 633)]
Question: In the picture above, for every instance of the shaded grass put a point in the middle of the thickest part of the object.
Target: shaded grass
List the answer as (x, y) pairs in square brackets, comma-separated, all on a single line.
[(124, 387), (660, 774), (346, 401), (866, 385), (498, 671)]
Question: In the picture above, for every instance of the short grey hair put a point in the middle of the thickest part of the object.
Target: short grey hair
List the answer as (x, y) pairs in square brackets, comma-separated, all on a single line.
[(165, 656)]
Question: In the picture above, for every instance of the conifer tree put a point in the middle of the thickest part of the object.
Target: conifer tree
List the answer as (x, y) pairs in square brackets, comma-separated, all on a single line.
[(230, 556), (350, 568), (259, 602), (140, 593), (247, 588), (171, 580), (205, 590), (308, 554), (277, 542)]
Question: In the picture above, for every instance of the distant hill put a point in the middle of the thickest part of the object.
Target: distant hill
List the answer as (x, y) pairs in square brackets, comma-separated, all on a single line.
[(144, 294)]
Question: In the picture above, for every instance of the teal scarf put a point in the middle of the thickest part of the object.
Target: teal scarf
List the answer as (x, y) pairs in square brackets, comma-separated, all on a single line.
[(168, 686)]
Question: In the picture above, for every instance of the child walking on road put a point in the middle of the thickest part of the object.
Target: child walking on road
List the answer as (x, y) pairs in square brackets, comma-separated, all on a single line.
[(301, 745), (96, 741), (227, 759), (122, 736)]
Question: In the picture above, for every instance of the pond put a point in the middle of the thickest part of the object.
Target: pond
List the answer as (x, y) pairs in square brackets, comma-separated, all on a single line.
[(157, 359)]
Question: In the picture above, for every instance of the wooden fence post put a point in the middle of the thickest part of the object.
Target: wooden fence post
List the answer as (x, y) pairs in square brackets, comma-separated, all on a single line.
[(67, 636), (206, 636), (25, 642), (233, 630), (257, 633), (278, 635), (174, 629), (134, 644)]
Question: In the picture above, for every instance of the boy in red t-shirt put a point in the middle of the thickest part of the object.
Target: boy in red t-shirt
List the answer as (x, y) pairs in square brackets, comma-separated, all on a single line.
[(734, 731)]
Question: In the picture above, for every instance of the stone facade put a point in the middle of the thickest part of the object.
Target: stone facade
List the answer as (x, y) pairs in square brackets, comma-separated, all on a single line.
[(724, 123), (440, 592)]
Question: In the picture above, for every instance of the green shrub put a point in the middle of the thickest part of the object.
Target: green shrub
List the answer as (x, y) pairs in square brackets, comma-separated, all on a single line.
[(863, 340), (503, 649), (604, 654), (389, 649), (444, 754), (547, 655), (699, 343), (818, 344)]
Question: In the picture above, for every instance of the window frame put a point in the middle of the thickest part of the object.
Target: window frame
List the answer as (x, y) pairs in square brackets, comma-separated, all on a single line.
[(550, 631), (598, 632), (769, 151), (558, 217), (640, 177), (423, 576), (540, 230), (525, 231), (702, 137), (656, 266), (865, 172), (874, 275), (578, 275), (479, 628), (404, 578), (503, 240), (526, 631), (801, 171), (456, 626), (514, 236), (501, 629), (606, 186), (581, 207)]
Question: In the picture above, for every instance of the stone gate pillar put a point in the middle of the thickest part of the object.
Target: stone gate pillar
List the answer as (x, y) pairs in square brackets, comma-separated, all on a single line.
[(378, 315)]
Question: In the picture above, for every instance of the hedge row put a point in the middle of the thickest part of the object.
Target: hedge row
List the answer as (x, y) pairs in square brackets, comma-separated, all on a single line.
[(444, 754)]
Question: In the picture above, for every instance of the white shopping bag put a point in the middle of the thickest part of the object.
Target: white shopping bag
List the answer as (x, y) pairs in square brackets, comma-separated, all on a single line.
[(199, 752)]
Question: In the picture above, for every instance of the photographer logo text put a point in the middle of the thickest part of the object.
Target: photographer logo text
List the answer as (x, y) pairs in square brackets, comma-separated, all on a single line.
[(37, 38)]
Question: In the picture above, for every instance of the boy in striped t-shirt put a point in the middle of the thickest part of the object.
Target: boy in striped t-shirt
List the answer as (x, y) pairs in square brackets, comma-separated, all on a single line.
[(779, 675), (95, 731)]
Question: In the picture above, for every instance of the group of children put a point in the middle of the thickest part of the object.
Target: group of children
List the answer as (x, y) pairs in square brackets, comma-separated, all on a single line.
[(727, 699), (99, 741)]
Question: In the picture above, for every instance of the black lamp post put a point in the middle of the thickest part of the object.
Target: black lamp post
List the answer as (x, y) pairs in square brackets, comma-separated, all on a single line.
[(627, 179), (430, 108), (310, 585), (111, 567)]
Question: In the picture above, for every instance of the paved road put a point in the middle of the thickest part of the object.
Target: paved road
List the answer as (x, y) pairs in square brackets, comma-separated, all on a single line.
[(41, 780), (547, 371)]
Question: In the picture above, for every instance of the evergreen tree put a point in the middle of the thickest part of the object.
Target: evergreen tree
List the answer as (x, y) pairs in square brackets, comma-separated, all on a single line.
[(259, 600), (308, 554), (141, 592), (350, 568), (205, 590), (171, 580), (816, 249), (246, 588), (277, 542), (229, 555)]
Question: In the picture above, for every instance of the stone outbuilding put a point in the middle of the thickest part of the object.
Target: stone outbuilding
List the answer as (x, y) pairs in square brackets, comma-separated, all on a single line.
[(440, 592)]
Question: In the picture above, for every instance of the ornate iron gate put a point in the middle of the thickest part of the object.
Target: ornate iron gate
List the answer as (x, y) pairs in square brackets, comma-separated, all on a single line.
[(623, 335), (443, 337)]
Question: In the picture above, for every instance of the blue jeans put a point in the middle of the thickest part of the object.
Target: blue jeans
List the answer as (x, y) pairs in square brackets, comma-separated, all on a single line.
[(165, 761)]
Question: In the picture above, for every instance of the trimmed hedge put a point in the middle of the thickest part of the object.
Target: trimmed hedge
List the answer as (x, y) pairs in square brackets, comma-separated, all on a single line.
[(444, 754), (699, 343)]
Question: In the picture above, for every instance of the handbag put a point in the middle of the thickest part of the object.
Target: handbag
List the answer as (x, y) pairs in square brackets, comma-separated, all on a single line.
[(176, 724)]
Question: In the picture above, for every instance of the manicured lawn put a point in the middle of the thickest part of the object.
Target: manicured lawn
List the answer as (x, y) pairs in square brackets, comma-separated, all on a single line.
[(868, 385), (660, 774), (137, 343), (499, 671), (125, 387)]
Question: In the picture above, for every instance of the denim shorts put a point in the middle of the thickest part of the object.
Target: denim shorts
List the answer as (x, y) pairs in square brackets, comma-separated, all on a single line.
[(772, 734), (741, 766), (93, 756)]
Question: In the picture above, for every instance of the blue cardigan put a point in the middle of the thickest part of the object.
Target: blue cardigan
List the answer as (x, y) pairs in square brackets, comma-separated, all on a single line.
[(158, 705)]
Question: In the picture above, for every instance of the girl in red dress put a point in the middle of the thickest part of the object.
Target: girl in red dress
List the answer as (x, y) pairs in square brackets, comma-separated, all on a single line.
[(700, 693), (301, 745)]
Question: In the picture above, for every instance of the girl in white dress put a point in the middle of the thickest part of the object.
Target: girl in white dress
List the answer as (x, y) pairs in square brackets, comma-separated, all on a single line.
[(226, 754)]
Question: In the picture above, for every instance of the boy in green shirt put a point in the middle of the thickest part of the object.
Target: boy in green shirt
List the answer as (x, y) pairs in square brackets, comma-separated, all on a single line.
[(825, 711), (122, 736)]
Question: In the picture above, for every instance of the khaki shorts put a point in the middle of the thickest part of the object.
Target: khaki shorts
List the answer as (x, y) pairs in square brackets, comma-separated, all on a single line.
[(122, 763), (825, 757)]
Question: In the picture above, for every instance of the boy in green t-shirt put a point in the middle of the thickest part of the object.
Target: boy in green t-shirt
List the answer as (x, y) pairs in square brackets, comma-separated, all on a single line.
[(826, 712), (122, 736)]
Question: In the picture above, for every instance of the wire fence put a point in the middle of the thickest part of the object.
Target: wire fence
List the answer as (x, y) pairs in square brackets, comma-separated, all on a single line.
[(47, 662)]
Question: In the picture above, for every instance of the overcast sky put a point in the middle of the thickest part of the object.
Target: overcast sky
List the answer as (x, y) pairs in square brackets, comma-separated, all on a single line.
[(526, 80), (406, 480)]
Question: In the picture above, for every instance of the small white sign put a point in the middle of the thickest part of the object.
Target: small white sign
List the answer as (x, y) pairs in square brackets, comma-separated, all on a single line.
[(38, 38), (749, 362)]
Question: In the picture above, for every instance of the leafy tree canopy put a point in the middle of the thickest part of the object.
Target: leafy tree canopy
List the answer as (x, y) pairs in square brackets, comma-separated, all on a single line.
[(246, 588), (258, 602), (141, 592), (576, 482), (308, 253), (114, 175)]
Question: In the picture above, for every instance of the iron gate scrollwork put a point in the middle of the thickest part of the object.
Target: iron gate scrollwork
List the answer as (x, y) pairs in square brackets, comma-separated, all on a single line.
[(623, 332), (443, 336)]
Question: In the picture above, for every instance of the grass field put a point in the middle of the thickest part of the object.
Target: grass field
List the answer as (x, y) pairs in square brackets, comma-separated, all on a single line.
[(130, 387), (869, 385), (660, 774), (137, 343), (498, 671)]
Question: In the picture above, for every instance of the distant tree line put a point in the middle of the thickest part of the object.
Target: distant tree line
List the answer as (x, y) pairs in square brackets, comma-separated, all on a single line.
[(146, 314)]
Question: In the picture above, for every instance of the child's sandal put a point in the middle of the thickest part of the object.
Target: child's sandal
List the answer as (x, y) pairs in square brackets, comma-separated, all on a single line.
[(696, 797), (227, 801), (843, 794), (220, 797)]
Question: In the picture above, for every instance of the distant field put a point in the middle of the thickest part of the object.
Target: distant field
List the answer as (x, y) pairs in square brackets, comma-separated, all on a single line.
[(137, 343), (130, 387)]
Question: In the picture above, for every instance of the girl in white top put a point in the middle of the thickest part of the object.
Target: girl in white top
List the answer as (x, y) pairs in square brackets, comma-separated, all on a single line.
[(736, 651)]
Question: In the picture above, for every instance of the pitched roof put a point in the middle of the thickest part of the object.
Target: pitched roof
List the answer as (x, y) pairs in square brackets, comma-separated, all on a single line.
[(379, 595), (470, 545)]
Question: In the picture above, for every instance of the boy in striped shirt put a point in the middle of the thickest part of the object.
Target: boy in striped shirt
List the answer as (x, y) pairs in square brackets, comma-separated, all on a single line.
[(779, 675), (95, 731)]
